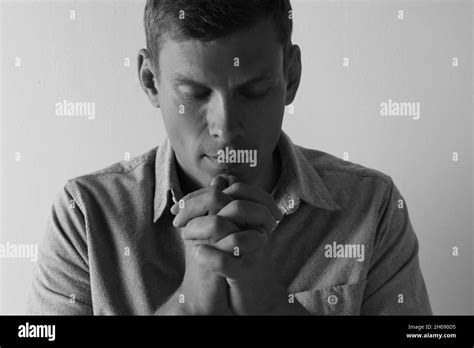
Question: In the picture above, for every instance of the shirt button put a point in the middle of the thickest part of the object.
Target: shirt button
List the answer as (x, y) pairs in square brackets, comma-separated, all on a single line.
[(332, 299)]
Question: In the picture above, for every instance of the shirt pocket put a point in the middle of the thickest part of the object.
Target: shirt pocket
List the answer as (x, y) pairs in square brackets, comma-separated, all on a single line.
[(343, 299)]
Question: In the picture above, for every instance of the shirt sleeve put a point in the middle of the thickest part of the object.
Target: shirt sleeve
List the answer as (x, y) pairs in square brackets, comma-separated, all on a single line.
[(61, 283), (395, 284)]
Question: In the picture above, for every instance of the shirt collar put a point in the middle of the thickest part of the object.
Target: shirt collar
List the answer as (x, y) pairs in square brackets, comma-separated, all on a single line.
[(166, 179), (299, 180)]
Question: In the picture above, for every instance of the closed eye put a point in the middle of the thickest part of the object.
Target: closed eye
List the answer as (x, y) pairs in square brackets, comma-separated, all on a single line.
[(189, 92), (255, 94)]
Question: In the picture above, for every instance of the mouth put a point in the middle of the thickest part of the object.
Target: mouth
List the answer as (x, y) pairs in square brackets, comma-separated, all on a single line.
[(212, 160)]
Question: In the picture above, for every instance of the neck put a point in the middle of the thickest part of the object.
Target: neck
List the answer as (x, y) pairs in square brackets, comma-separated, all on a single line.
[(269, 177)]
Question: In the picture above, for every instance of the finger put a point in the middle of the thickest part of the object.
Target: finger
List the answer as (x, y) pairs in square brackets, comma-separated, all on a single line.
[(249, 214), (232, 179), (209, 228), (219, 181), (242, 242), (255, 194), (179, 205), (220, 262), (208, 203)]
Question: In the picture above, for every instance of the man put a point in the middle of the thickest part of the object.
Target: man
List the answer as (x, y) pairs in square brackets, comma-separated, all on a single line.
[(199, 225)]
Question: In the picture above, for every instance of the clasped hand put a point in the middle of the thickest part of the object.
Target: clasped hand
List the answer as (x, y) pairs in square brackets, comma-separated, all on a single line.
[(226, 228)]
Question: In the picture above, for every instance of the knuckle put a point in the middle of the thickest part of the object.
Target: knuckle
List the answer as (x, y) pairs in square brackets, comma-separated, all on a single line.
[(236, 206), (235, 240), (214, 221), (217, 225), (220, 262), (247, 241), (237, 186), (196, 253), (191, 224), (217, 201), (215, 193)]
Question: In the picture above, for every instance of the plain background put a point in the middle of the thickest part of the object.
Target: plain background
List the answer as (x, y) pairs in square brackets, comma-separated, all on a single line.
[(336, 111)]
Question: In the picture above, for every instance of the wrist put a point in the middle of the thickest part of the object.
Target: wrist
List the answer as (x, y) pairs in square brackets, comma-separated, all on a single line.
[(173, 305)]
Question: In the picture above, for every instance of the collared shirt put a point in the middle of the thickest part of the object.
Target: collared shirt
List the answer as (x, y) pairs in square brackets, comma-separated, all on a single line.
[(344, 246)]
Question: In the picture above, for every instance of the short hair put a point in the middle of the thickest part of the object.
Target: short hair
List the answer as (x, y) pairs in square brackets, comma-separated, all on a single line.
[(208, 20)]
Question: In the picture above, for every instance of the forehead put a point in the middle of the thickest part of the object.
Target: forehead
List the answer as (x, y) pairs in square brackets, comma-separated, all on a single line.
[(236, 57)]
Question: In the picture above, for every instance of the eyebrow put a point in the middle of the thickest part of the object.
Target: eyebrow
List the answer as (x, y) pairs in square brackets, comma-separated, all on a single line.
[(181, 78)]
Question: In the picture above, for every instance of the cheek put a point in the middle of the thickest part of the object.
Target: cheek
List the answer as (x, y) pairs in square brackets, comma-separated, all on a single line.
[(181, 125), (268, 114), (172, 123)]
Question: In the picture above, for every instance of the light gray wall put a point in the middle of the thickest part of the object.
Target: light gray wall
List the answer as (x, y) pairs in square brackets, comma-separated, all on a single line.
[(337, 110)]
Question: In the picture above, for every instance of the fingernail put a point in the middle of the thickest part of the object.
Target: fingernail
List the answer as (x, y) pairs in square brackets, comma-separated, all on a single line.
[(174, 209)]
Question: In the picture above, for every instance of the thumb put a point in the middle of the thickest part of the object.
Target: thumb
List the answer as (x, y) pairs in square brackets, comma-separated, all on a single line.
[(220, 181)]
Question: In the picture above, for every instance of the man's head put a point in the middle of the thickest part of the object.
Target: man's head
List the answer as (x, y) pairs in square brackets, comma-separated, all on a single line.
[(221, 72)]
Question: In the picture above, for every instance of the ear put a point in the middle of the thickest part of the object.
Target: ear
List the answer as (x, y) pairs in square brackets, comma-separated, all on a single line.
[(147, 76), (293, 76)]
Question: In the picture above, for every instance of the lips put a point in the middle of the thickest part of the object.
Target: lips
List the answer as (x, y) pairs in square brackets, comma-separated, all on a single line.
[(230, 147), (212, 158), (213, 161)]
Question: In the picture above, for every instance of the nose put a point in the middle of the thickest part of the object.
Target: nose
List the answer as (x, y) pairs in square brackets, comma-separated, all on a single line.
[(225, 121)]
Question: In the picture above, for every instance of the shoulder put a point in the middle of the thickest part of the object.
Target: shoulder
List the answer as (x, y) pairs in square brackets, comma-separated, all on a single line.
[(119, 176), (322, 161), (347, 180), (121, 167)]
